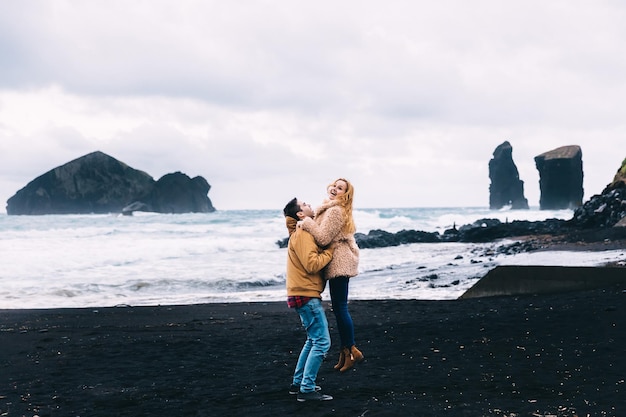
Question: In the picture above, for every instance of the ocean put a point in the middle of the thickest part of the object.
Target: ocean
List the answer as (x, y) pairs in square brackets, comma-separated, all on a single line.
[(230, 256)]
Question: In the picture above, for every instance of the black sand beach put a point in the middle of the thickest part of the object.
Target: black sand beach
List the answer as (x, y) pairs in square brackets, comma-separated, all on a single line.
[(533, 355)]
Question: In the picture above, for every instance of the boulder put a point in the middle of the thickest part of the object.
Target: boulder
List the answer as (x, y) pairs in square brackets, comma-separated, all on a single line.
[(380, 238), (506, 188), (99, 183), (606, 209), (560, 178)]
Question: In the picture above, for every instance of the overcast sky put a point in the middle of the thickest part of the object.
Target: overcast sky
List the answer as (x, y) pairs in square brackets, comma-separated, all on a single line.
[(273, 99)]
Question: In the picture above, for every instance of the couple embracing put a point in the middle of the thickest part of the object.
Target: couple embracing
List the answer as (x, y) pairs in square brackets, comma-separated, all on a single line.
[(321, 249)]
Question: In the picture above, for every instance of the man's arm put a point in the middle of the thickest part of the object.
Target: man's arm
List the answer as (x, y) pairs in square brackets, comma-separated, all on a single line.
[(313, 259)]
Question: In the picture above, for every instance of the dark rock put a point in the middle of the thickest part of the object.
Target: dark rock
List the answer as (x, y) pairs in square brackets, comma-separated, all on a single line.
[(177, 193), (487, 230), (506, 188), (99, 183), (380, 238), (94, 183), (606, 209), (560, 178), (603, 210), (283, 243)]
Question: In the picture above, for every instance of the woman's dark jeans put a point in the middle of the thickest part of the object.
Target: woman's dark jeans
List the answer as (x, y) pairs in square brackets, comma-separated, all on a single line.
[(339, 298)]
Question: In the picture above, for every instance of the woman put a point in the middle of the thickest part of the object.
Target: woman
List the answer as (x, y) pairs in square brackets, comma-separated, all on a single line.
[(334, 226)]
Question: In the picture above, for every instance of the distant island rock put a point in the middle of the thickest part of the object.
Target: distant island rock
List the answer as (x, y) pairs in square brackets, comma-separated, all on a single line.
[(98, 183), (506, 188), (560, 178)]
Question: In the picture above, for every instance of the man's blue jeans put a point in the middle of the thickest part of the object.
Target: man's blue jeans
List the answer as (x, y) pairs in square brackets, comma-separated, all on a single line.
[(316, 346)]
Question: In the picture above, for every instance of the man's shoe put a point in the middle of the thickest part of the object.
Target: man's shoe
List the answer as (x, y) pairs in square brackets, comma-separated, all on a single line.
[(295, 389), (313, 396)]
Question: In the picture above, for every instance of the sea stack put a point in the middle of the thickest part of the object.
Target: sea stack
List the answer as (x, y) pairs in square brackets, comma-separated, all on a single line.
[(506, 188), (560, 178)]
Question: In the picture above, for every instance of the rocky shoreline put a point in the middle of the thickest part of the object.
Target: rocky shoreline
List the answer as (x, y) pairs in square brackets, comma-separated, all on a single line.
[(596, 225)]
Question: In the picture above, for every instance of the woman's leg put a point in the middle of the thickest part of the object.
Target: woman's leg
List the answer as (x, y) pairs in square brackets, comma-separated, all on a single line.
[(339, 298)]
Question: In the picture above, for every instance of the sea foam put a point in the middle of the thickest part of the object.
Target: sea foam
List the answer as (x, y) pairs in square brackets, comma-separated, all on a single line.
[(232, 256)]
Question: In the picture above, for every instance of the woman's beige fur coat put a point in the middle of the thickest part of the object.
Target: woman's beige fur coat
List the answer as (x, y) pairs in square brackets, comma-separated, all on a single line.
[(327, 231)]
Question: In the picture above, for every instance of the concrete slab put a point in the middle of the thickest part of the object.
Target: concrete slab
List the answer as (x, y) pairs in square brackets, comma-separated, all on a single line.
[(519, 279)]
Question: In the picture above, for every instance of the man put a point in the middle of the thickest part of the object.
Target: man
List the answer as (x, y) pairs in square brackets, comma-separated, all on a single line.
[(305, 285)]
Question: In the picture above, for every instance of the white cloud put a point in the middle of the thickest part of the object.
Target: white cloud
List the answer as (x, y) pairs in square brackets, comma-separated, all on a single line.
[(267, 99)]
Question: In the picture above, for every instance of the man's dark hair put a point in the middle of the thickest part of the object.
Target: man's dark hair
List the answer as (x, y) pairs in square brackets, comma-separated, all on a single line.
[(291, 209)]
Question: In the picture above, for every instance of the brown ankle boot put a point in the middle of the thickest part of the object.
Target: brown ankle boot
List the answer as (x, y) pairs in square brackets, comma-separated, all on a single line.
[(352, 356), (348, 360), (356, 354), (342, 359)]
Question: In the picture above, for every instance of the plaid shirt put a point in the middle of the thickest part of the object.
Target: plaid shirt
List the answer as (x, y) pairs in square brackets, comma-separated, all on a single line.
[(297, 301)]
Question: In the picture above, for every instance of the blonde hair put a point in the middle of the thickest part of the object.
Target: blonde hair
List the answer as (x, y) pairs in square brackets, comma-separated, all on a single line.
[(345, 200)]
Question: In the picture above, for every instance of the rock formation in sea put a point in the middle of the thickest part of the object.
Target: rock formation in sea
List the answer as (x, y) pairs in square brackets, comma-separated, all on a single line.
[(177, 193), (560, 178), (601, 219), (506, 188), (99, 183)]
